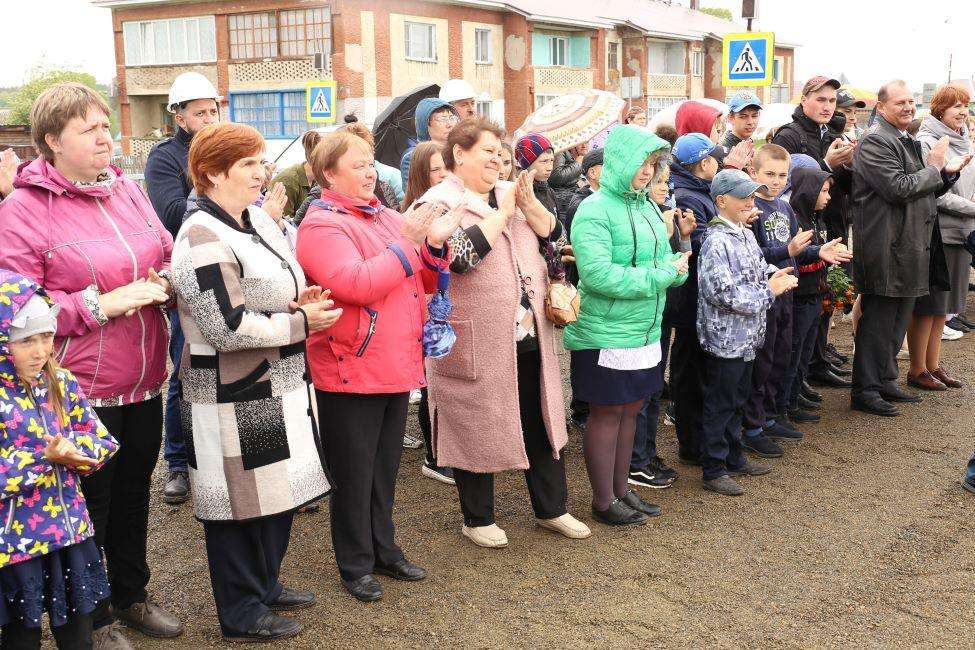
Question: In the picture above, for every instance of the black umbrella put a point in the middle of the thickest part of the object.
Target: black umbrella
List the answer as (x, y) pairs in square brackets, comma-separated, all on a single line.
[(394, 127)]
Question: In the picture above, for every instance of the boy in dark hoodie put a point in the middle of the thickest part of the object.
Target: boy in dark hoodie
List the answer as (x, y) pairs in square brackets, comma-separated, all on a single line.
[(810, 194), (784, 245), (433, 118), (691, 171)]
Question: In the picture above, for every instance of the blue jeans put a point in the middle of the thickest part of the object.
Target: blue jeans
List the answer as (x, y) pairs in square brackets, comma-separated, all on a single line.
[(805, 329), (175, 447)]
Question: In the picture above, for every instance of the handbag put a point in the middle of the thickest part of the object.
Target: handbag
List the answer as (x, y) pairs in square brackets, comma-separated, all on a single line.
[(561, 296)]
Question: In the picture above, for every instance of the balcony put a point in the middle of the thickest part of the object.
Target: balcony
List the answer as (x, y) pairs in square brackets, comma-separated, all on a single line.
[(667, 85), (156, 79), (274, 73), (558, 79)]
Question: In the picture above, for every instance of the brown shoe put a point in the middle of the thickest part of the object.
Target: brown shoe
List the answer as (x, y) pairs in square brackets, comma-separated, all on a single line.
[(109, 637), (150, 619), (925, 381), (941, 375)]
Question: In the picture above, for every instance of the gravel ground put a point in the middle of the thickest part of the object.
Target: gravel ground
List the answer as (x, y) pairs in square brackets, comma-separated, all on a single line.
[(861, 536)]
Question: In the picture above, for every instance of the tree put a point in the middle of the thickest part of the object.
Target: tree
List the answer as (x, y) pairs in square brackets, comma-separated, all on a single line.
[(39, 80), (718, 12)]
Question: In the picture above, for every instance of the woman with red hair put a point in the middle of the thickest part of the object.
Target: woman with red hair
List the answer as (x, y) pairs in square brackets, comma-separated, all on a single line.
[(251, 430)]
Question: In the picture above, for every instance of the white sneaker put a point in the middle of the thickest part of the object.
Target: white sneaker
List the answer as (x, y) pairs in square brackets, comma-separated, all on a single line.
[(566, 525), (415, 396), (948, 334), (487, 536), (409, 442)]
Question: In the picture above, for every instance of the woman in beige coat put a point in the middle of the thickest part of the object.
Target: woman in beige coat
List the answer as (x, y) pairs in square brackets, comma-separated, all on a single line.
[(496, 400)]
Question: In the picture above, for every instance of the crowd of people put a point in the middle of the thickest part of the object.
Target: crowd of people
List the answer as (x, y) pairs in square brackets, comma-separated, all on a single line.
[(296, 310)]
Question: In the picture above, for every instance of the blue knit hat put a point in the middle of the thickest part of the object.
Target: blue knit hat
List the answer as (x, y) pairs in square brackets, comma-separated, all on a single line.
[(530, 147)]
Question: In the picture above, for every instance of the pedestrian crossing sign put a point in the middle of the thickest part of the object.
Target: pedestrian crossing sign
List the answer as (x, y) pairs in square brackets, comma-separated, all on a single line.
[(747, 59), (320, 101)]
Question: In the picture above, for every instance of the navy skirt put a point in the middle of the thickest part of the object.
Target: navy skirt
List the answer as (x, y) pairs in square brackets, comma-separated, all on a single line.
[(63, 583), (601, 386)]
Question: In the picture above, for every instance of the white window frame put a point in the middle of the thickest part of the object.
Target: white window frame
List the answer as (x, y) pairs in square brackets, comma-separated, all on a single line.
[(541, 99), (666, 45), (429, 57), (655, 103), (697, 63), (484, 107), (140, 38), (778, 70), (482, 55), (553, 45), (610, 46)]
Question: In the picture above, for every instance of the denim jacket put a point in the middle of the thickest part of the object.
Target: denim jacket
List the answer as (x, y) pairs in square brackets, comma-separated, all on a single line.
[(733, 292)]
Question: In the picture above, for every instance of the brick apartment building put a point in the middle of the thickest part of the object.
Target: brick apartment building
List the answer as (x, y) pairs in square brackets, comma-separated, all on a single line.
[(517, 54)]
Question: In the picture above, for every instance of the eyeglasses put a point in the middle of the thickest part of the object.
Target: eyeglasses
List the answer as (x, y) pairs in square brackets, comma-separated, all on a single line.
[(446, 119)]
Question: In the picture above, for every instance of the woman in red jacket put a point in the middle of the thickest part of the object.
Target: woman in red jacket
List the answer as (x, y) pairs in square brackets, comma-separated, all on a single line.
[(378, 266)]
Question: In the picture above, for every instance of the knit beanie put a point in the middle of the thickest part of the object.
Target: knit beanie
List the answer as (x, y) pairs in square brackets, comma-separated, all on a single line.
[(35, 317), (529, 148)]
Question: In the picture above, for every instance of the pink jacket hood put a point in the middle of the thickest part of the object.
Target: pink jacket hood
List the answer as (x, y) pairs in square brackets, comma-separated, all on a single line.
[(68, 238)]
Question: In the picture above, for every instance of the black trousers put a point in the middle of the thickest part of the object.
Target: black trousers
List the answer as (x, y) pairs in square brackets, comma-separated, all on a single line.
[(818, 363), (771, 364), (245, 561), (879, 337), (686, 389), (363, 437), (805, 330), (73, 635), (545, 475), (727, 383), (118, 501), (578, 408), (423, 416)]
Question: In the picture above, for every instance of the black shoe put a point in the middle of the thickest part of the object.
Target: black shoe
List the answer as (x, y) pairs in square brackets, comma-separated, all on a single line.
[(957, 324), (832, 351), (177, 488), (269, 627), (799, 416), (292, 599), (751, 468), (807, 391), (828, 379), (836, 370), (310, 508), (367, 588), (964, 320), (619, 514), (403, 570), (808, 405), (761, 446), (874, 406), (660, 468), (633, 500), (895, 394), (780, 430), (648, 478)]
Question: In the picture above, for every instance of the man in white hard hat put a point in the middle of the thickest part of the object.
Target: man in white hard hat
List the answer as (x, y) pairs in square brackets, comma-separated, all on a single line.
[(461, 95), (194, 103)]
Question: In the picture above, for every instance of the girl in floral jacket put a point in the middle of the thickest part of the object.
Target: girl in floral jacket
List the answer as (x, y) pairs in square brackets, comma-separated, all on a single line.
[(49, 436)]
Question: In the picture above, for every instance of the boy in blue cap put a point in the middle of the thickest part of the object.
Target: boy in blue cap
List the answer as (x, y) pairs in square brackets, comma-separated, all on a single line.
[(691, 170), (744, 111), (736, 288)]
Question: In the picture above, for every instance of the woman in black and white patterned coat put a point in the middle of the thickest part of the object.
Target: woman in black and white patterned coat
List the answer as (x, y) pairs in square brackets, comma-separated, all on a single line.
[(252, 438)]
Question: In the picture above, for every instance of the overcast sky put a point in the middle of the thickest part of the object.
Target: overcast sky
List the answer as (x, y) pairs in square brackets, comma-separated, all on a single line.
[(870, 41)]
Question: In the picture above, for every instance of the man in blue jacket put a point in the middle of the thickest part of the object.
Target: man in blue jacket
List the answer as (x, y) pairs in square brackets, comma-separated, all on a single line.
[(194, 103)]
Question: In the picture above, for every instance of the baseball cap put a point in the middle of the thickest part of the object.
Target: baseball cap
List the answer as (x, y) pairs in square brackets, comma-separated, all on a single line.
[(692, 147), (734, 182), (845, 99), (743, 99), (818, 82)]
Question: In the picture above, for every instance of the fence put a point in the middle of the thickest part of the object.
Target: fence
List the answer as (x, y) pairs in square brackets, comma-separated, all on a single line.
[(133, 166)]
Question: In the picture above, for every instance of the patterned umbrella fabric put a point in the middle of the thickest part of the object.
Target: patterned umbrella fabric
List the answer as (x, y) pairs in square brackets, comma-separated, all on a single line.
[(573, 118)]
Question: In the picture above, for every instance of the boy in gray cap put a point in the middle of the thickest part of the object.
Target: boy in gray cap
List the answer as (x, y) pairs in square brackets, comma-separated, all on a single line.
[(736, 287)]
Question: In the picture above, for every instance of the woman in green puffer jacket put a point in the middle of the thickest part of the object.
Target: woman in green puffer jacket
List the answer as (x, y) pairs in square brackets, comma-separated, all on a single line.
[(625, 268)]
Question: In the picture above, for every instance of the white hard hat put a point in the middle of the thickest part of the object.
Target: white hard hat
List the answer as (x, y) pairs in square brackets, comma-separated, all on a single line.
[(189, 86), (455, 90)]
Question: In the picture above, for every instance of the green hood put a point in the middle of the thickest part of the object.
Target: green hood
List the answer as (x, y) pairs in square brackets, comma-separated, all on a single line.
[(627, 148)]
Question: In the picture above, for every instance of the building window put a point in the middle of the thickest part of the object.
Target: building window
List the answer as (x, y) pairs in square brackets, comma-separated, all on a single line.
[(666, 57), (559, 47), (290, 33), (657, 104), (613, 56), (276, 114), (781, 94), (484, 108), (778, 70), (541, 100), (697, 63), (421, 41), (482, 46), (176, 40)]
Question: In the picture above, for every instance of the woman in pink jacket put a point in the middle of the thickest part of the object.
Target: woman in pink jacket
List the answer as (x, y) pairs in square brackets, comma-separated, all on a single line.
[(378, 267), (90, 237)]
